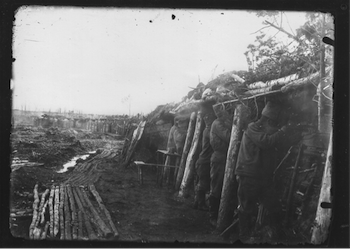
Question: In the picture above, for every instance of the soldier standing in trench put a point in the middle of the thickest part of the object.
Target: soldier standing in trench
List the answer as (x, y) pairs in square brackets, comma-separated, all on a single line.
[(220, 134), (203, 163), (254, 170), (177, 135), (176, 139)]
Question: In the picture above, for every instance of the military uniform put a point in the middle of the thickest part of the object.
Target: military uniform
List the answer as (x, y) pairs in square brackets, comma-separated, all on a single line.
[(254, 169)]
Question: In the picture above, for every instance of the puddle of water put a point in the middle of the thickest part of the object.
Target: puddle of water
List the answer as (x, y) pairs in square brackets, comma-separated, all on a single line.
[(73, 161)]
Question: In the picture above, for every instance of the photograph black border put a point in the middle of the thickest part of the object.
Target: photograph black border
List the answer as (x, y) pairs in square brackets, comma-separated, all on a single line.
[(339, 233)]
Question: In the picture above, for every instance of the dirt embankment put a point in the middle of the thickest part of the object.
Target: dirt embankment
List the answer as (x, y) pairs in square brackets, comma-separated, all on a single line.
[(141, 213)]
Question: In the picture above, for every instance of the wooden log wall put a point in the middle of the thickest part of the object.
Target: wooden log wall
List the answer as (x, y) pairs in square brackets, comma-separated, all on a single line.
[(229, 191), (190, 162), (186, 150), (76, 212)]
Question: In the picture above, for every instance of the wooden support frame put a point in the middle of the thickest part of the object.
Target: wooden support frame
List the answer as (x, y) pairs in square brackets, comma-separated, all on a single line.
[(141, 164)]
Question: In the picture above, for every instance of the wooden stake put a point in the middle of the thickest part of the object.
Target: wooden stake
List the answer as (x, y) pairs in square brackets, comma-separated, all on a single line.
[(52, 194), (187, 147), (189, 169), (35, 211), (74, 213), (229, 190), (102, 206), (323, 215)]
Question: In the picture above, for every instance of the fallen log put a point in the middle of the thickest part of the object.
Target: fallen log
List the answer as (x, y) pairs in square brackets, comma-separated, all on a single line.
[(259, 90), (42, 204), (61, 212), (105, 210), (21, 213), (90, 231), (311, 79), (36, 233), (74, 212), (80, 225), (186, 150), (56, 211), (35, 212), (43, 211), (277, 82), (52, 193), (67, 227), (44, 233), (100, 223), (229, 200), (14, 215), (190, 162)]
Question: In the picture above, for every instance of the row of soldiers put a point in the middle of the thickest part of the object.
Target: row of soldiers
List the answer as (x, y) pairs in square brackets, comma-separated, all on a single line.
[(254, 167)]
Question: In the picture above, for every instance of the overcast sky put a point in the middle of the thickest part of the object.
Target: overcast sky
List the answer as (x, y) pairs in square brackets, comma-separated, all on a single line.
[(105, 60)]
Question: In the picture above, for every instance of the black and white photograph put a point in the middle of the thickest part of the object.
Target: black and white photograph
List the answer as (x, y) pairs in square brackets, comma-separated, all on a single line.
[(172, 125)]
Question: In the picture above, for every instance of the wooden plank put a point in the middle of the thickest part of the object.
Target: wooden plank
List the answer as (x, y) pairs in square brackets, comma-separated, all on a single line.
[(228, 189), (186, 150), (101, 224), (323, 215), (190, 163), (153, 164), (44, 233), (104, 209), (134, 141), (56, 211), (74, 212), (35, 212), (61, 212), (42, 204), (90, 231), (52, 194), (67, 216)]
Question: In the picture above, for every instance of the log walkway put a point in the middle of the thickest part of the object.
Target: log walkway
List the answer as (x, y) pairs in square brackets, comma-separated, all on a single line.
[(74, 210)]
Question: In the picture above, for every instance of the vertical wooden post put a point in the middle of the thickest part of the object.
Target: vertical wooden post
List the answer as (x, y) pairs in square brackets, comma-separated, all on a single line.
[(228, 194), (323, 214), (166, 170), (322, 118), (190, 163), (187, 147)]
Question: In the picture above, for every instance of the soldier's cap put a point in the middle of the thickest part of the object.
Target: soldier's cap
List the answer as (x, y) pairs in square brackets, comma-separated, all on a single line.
[(271, 111)]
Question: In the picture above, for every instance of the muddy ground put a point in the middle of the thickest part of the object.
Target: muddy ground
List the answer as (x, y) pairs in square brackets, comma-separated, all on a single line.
[(144, 213)]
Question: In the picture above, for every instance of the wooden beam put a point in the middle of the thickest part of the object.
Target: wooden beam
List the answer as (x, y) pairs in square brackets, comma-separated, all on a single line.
[(103, 207), (190, 162), (35, 212), (186, 150), (228, 200), (323, 215)]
